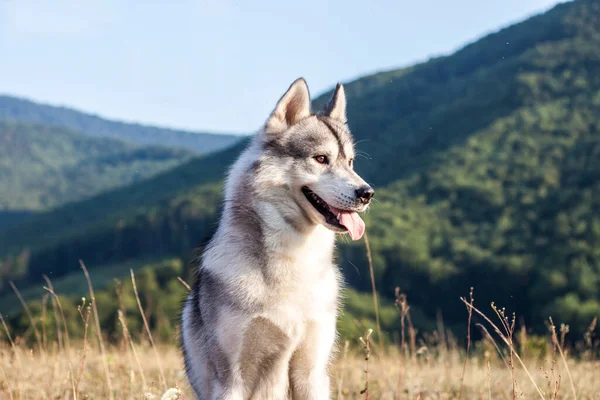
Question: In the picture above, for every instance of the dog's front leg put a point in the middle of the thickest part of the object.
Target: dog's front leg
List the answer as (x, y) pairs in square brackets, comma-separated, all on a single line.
[(264, 360), (308, 367), (234, 392)]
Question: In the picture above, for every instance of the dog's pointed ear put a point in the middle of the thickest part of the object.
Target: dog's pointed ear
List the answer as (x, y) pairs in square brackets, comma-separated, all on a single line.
[(293, 106), (336, 108)]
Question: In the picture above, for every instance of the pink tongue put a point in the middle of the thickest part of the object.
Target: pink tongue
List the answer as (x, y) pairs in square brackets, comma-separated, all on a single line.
[(352, 222)]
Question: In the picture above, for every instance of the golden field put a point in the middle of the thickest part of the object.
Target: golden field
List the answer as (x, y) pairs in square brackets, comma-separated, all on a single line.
[(506, 364), (56, 374)]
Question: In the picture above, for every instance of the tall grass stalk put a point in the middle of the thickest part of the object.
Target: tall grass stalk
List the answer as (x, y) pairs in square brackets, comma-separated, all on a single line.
[(374, 290), (148, 331), (98, 331), (36, 332)]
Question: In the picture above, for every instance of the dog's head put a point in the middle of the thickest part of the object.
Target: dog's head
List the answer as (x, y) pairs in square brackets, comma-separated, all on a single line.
[(312, 156)]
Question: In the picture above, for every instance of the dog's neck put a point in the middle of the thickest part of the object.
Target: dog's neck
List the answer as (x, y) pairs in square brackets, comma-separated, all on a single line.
[(263, 225), (294, 236)]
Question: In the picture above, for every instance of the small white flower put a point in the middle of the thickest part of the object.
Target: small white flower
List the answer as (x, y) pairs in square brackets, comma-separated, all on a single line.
[(172, 394)]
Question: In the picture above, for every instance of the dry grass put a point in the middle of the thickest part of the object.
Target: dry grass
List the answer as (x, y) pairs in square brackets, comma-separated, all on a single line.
[(26, 374), (35, 376), (420, 367)]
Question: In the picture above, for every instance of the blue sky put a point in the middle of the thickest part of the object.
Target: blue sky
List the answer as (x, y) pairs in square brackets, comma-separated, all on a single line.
[(220, 65)]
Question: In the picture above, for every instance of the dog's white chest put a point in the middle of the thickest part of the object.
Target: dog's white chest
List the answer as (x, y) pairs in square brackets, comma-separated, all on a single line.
[(309, 294)]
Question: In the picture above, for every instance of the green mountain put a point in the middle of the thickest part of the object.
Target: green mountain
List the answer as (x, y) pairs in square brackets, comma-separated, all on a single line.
[(43, 166), (17, 109), (486, 170), (12, 217)]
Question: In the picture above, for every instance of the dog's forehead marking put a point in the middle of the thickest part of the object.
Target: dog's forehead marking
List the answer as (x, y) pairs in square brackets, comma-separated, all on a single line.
[(316, 133), (341, 134)]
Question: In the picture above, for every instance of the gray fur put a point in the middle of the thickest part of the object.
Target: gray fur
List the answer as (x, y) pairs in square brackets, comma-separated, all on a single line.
[(260, 320), (264, 343), (341, 136)]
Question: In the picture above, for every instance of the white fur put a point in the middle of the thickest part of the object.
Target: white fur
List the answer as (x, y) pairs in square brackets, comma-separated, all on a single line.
[(297, 288)]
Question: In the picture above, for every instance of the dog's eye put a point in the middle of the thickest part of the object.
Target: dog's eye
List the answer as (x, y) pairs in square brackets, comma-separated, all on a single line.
[(322, 159), (351, 162)]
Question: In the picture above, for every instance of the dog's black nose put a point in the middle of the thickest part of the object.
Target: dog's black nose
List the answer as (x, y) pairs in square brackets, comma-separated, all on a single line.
[(365, 193)]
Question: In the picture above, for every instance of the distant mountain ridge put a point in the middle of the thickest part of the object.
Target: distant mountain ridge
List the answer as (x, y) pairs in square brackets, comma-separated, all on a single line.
[(19, 109), (44, 166)]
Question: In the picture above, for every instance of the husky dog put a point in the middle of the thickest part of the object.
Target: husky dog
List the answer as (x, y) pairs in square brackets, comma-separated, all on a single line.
[(260, 320)]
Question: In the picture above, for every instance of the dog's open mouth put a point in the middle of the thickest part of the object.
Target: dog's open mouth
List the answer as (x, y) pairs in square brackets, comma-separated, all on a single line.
[(341, 219)]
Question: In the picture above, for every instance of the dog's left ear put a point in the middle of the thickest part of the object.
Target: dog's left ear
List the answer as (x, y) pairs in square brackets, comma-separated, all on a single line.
[(336, 108), (293, 106)]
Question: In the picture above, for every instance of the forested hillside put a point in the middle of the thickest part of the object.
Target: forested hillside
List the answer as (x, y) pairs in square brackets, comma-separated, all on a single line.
[(43, 166), (17, 109), (11, 217), (487, 174)]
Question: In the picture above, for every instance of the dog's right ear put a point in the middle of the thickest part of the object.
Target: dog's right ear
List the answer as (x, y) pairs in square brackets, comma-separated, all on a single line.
[(336, 108), (293, 106)]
